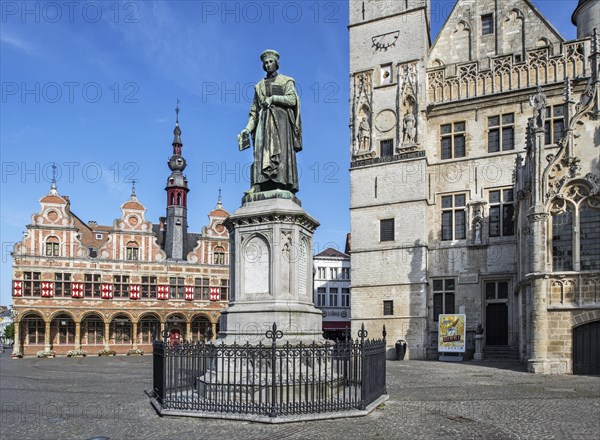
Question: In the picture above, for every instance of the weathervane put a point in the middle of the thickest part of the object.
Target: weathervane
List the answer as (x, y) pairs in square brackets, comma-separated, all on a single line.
[(177, 112)]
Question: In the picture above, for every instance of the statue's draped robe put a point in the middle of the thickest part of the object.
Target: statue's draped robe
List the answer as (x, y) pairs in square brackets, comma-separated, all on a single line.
[(276, 133)]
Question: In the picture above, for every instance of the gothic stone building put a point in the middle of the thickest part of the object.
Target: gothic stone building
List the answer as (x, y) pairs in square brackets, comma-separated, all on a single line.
[(461, 200), (83, 286)]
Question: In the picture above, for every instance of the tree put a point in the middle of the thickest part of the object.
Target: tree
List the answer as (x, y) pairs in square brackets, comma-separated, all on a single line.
[(9, 331)]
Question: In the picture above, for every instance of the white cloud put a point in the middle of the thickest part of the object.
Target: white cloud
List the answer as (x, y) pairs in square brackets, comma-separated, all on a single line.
[(16, 42)]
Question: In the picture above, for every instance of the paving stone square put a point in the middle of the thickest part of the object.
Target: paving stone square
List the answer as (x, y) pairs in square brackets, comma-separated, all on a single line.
[(83, 398)]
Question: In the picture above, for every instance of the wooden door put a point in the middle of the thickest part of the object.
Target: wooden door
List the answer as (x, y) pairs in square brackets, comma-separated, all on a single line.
[(496, 324)]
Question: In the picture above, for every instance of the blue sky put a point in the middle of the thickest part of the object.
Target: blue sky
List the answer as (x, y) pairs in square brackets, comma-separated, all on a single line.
[(92, 86)]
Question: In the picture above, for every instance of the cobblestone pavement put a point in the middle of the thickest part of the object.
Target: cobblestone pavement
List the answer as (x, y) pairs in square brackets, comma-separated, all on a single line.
[(67, 398)]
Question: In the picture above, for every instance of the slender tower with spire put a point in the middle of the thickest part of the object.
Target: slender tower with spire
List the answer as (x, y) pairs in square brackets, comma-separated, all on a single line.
[(177, 188)]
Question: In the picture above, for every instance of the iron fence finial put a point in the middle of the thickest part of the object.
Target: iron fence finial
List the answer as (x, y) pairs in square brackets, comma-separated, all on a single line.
[(274, 334)]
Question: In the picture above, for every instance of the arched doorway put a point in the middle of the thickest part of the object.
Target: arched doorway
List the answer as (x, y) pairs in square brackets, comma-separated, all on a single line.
[(586, 348), (120, 331), (32, 333), (62, 331), (148, 329), (198, 328), (92, 330), (175, 326)]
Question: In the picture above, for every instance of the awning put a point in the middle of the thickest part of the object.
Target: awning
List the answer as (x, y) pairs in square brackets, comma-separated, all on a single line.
[(336, 325)]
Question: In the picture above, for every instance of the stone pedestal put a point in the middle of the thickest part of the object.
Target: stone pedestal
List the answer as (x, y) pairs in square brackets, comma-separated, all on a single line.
[(478, 356), (271, 271)]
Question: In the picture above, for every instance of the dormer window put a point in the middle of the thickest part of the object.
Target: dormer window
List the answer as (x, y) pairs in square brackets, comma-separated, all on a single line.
[(52, 247), (132, 251), (219, 255), (99, 236)]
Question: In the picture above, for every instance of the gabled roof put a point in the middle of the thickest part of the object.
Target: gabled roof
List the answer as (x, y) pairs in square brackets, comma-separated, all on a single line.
[(332, 253)]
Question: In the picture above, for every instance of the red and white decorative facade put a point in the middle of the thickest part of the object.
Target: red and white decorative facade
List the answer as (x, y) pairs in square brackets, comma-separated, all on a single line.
[(84, 286)]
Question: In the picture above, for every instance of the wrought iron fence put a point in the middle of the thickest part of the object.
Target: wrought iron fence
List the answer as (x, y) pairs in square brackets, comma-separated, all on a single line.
[(269, 380)]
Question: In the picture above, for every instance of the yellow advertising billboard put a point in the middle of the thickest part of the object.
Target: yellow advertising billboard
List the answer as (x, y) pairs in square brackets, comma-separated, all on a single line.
[(452, 333)]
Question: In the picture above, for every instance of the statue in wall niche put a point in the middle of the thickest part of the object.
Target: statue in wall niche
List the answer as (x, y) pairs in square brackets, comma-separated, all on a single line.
[(477, 239), (410, 130), (538, 102), (275, 126), (477, 224), (364, 135)]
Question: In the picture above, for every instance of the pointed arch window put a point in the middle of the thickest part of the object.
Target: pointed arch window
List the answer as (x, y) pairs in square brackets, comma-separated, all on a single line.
[(589, 240), (52, 247), (562, 240), (576, 230)]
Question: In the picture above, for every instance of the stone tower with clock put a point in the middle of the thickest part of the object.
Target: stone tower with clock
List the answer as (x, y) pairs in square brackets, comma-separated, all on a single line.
[(389, 41)]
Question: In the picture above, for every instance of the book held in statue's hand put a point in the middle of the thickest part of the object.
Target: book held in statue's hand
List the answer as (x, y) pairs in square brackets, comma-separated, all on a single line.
[(243, 141)]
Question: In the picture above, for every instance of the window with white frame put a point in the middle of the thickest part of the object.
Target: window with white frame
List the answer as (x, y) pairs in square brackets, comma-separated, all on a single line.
[(92, 286), (62, 284), (345, 297), (52, 247), (219, 255), (386, 229), (32, 283), (176, 287), (132, 251), (333, 297), (333, 273), (321, 292), (345, 273), (321, 273), (121, 286), (149, 286)]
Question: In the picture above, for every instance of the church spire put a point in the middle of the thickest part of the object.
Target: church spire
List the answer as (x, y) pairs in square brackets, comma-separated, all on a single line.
[(177, 190), (53, 187), (219, 201), (177, 144)]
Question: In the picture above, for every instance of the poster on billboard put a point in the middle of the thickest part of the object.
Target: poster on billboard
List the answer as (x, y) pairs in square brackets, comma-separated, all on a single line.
[(452, 333)]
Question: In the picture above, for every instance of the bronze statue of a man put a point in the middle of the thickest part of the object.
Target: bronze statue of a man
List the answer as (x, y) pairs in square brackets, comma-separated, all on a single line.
[(276, 129)]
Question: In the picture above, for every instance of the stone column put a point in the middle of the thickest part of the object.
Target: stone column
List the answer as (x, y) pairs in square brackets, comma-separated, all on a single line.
[(134, 335), (17, 349), (214, 331), (162, 330), (188, 331), (106, 335), (538, 363), (78, 336), (47, 337)]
